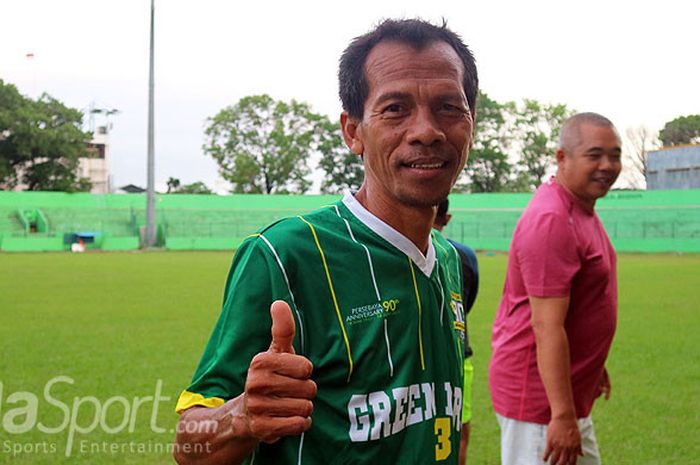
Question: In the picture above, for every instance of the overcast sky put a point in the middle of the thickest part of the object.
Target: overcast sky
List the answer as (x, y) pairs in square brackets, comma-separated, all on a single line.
[(635, 62)]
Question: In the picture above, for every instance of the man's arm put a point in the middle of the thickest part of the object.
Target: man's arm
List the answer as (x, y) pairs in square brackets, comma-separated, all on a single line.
[(464, 443), (553, 362), (277, 402), (214, 435), (604, 386)]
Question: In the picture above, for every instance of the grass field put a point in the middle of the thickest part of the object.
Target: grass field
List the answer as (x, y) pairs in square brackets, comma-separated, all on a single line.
[(111, 332)]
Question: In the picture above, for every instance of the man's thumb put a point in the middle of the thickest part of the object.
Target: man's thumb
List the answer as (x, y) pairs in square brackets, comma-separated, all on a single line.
[(283, 327)]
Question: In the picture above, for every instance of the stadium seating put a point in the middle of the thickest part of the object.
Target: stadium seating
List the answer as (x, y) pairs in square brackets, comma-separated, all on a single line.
[(645, 221)]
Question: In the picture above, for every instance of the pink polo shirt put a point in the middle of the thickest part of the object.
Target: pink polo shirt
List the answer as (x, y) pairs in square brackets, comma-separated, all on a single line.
[(559, 248)]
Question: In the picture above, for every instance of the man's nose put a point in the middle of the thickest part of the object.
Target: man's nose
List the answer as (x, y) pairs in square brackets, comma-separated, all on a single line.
[(424, 128), (607, 163)]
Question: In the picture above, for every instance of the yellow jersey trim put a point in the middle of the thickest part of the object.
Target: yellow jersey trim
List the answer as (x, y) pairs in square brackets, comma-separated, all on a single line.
[(190, 399), (335, 300), (420, 315)]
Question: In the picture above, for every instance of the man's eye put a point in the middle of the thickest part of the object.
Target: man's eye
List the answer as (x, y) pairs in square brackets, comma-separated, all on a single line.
[(393, 108), (453, 109)]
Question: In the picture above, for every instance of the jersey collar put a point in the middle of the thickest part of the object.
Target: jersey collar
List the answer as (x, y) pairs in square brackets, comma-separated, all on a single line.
[(425, 263)]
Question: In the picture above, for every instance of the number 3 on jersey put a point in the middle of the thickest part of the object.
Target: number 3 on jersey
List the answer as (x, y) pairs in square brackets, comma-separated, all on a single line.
[(443, 447)]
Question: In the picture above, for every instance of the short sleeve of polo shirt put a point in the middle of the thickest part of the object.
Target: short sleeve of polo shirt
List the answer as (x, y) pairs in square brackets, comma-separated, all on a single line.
[(243, 327), (547, 253)]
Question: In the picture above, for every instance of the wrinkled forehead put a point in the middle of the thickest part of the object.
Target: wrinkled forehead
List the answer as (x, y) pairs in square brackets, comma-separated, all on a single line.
[(399, 60)]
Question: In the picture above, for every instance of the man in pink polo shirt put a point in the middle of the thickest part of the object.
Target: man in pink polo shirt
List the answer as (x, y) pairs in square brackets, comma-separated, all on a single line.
[(558, 312)]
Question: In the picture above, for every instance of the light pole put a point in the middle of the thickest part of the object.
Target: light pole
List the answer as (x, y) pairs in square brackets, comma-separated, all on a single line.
[(92, 111), (150, 239)]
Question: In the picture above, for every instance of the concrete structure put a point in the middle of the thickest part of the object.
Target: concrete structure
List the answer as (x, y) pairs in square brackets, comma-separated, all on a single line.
[(674, 168), (96, 168), (636, 221)]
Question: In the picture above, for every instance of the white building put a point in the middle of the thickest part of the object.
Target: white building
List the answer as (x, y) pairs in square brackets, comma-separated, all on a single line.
[(96, 168)]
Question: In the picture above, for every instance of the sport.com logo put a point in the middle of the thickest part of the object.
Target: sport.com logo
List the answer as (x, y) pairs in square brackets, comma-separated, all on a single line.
[(19, 414)]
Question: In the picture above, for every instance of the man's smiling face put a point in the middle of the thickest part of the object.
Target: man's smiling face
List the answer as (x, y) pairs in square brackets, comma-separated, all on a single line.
[(417, 126)]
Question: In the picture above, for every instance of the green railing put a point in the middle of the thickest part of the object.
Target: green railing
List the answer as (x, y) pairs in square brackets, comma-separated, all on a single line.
[(644, 221), (33, 220)]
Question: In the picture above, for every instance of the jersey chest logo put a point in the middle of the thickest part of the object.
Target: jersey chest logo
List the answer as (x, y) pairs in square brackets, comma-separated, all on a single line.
[(378, 310)]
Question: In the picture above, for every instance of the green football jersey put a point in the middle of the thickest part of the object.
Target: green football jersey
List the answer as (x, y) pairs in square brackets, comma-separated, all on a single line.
[(382, 324)]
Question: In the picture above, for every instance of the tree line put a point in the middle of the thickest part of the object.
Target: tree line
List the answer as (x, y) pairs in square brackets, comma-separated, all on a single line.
[(266, 146)]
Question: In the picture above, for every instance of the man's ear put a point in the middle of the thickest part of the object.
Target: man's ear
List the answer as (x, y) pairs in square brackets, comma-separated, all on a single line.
[(561, 155), (473, 134), (352, 133)]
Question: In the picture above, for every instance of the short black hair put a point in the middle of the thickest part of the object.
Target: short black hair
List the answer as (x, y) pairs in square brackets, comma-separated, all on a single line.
[(414, 32)]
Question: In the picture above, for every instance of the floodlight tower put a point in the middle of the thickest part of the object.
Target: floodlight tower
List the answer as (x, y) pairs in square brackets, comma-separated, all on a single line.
[(107, 112), (150, 239), (97, 167)]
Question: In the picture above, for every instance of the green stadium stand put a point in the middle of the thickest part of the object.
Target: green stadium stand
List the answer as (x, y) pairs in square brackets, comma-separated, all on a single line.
[(32, 220), (637, 221)]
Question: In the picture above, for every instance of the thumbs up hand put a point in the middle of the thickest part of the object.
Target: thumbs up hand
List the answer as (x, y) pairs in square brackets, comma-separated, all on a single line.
[(283, 328), (278, 391)]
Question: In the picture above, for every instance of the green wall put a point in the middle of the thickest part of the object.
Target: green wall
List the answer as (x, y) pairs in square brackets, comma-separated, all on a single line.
[(636, 221), (643, 221)]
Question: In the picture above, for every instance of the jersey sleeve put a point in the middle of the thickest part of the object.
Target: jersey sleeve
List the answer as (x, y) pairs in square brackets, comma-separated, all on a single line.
[(243, 327), (546, 250)]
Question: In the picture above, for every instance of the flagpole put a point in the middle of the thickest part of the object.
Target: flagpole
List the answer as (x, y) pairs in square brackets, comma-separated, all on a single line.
[(32, 65), (150, 239)]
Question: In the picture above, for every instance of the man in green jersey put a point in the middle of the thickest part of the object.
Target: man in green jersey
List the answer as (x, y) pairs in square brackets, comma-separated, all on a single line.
[(360, 358)]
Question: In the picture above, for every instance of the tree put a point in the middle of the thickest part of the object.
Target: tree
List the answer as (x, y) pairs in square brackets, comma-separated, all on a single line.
[(263, 145), (640, 140), (537, 129), (41, 142), (344, 169), (173, 184), (682, 130), (176, 187), (195, 188), (488, 168), (527, 134)]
